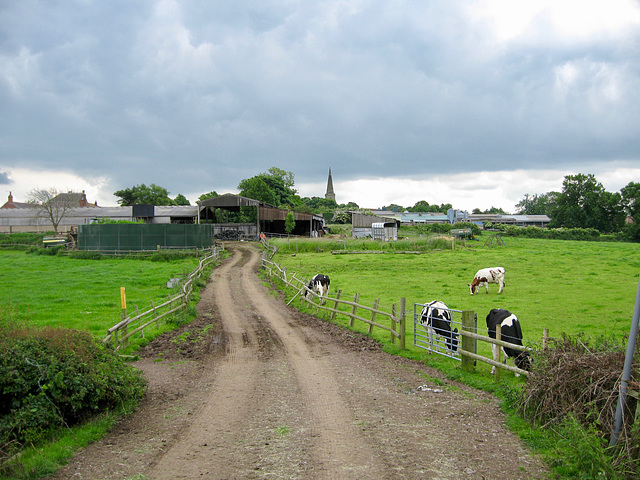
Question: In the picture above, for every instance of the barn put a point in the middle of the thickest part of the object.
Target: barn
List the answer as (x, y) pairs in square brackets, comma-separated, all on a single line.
[(254, 217)]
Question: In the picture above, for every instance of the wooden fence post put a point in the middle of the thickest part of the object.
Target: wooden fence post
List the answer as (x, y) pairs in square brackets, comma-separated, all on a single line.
[(545, 339), (468, 325), (373, 314), (403, 323), (393, 323), (498, 337), (354, 310), (335, 307)]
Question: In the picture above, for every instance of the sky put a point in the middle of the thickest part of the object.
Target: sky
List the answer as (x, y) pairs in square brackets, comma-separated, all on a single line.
[(474, 103)]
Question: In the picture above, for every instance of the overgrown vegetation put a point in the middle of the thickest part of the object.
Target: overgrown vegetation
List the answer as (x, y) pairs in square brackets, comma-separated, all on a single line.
[(574, 385), (16, 240), (52, 379), (548, 233)]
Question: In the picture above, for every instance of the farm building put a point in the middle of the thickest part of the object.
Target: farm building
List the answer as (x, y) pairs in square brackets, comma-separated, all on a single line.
[(15, 220), (263, 218), (22, 217), (373, 226)]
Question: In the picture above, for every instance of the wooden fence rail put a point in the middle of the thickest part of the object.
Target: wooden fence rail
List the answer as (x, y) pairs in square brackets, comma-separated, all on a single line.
[(129, 326), (396, 317)]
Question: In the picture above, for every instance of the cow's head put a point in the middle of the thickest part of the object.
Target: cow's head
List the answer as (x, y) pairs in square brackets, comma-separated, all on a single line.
[(523, 361), (473, 286)]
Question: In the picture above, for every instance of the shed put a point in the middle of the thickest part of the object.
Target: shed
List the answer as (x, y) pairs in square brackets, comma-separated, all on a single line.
[(362, 225), (384, 231)]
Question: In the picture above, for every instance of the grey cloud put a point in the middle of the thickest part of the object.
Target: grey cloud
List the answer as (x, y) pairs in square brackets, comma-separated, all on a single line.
[(199, 96)]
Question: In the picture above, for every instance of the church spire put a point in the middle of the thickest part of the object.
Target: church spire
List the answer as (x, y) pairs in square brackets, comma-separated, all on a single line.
[(330, 195)]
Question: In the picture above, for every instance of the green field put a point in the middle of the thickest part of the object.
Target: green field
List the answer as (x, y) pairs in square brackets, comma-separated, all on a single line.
[(82, 294), (566, 286)]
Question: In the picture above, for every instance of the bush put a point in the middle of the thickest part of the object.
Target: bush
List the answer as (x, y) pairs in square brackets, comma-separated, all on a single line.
[(55, 377)]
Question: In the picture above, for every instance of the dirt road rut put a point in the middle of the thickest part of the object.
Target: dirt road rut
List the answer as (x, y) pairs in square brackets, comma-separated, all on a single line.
[(278, 394)]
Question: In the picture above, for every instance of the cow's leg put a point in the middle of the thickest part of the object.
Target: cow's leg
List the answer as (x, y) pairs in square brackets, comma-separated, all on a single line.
[(486, 287), (501, 286)]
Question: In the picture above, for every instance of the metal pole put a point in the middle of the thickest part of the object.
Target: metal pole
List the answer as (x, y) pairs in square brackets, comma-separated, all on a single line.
[(626, 371)]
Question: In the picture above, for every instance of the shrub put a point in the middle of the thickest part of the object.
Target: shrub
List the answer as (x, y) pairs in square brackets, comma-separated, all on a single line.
[(55, 377)]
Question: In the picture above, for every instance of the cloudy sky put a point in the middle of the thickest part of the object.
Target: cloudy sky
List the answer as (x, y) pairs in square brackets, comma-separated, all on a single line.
[(473, 103)]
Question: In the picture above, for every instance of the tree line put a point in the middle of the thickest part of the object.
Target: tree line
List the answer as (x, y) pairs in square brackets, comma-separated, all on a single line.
[(582, 203)]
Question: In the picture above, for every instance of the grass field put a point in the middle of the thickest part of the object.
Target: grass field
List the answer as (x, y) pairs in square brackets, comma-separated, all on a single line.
[(566, 286), (82, 294)]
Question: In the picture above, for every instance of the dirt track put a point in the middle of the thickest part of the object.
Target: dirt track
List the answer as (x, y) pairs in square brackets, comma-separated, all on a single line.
[(253, 389)]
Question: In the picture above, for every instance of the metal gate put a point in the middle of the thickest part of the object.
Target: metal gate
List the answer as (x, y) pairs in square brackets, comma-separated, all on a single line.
[(424, 337)]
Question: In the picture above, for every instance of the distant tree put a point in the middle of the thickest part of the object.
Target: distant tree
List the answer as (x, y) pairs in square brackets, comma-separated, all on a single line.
[(51, 205), (490, 211), (350, 206), (289, 222), (631, 200), (341, 217), (424, 206), (207, 196), (258, 189), (420, 206), (141, 194), (584, 203), (181, 200), (274, 187), (537, 204), (394, 208), (318, 204)]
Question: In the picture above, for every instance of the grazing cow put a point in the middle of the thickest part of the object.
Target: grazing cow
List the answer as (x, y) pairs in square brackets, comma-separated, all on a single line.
[(319, 285), (510, 332), (486, 276), (436, 318)]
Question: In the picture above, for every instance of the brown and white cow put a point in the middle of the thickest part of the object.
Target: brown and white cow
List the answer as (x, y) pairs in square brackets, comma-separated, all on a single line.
[(486, 276)]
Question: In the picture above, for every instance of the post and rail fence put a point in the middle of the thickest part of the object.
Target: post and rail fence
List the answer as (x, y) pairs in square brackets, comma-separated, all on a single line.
[(135, 324), (396, 318)]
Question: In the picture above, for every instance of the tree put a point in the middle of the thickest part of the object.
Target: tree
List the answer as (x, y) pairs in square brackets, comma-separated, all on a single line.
[(394, 208), (492, 210), (141, 194), (290, 222), (631, 200), (206, 196), (257, 189), (584, 203), (51, 205), (274, 187), (181, 200), (542, 204)]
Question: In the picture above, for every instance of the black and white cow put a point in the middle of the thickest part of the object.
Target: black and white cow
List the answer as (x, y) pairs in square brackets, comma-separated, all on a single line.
[(436, 319), (510, 332), (485, 276), (319, 285)]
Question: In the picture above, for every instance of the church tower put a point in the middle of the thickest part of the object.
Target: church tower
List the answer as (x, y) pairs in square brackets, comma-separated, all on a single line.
[(330, 195)]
